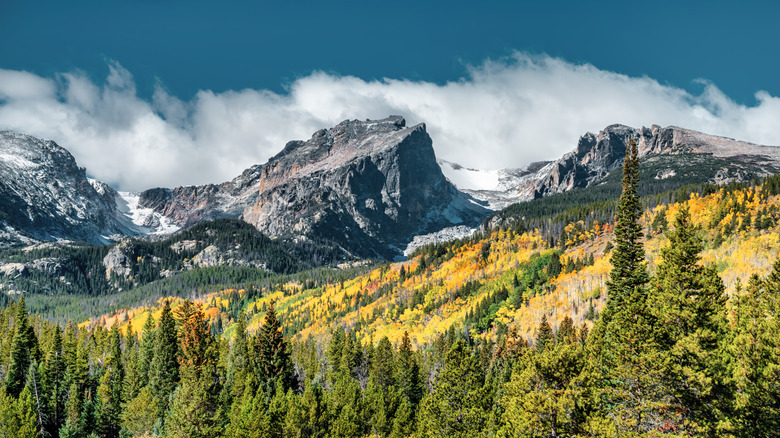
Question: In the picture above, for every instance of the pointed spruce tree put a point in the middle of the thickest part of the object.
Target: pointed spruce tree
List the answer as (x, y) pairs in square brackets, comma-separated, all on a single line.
[(628, 276), (544, 335), (407, 373), (110, 388), (24, 341), (55, 387), (458, 405), (193, 411), (755, 356), (240, 370), (273, 362), (146, 351), (619, 368), (689, 304), (164, 369)]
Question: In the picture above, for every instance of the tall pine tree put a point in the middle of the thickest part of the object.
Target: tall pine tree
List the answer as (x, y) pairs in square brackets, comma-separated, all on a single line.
[(55, 387), (110, 388), (273, 361), (619, 368), (690, 307), (193, 412), (164, 370), (22, 348)]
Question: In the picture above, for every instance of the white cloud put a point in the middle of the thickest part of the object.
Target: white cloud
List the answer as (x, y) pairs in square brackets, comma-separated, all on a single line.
[(506, 113)]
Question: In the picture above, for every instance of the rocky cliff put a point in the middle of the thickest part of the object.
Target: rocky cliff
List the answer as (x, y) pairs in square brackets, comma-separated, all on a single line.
[(367, 186), (596, 155)]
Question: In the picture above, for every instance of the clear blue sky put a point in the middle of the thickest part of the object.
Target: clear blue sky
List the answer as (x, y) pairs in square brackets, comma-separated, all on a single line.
[(231, 45)]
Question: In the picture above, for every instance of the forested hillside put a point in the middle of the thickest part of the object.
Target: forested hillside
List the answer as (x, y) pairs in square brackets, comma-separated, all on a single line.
[(655, 319)]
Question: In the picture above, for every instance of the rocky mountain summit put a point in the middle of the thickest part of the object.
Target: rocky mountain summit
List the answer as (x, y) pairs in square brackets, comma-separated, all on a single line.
[(368, 186), (596, 155), (45, 195)]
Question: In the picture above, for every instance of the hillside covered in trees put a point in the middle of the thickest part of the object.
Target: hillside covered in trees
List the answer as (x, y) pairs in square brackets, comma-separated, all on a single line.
[(656, 319)]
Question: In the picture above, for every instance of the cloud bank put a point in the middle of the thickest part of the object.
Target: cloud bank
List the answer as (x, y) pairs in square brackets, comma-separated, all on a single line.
[(505, 113)]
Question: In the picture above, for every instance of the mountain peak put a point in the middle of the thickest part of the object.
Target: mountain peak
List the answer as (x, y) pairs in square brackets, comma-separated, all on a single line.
[(369, 186)]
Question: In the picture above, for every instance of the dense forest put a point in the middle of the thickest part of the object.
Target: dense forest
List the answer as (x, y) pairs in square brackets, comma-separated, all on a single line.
[(667, 351)]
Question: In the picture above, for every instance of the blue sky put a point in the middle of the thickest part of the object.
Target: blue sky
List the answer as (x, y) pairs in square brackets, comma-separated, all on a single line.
[(193, 45), (148, 78)]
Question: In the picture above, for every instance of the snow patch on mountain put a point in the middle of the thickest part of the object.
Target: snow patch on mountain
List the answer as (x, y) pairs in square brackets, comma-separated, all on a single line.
[(494, 189), (443, 235), (469, 179), (144, 220)]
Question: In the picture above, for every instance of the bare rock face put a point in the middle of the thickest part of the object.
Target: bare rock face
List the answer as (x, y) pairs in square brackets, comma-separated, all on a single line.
[(49, 265), (368, 186), (13, 270), (117, 263)]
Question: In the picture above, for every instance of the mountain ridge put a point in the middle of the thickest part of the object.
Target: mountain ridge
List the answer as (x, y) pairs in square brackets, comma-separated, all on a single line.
[(372, 188), (598, 154)]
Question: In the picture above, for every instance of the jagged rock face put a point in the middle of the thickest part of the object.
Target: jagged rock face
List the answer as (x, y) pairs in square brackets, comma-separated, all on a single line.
[(44, 192), (598, 154), (369, 186)]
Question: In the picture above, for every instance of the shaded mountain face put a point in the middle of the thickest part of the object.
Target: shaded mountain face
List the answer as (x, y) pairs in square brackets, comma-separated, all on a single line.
[(44, 193), (367, 186), (596, 155)]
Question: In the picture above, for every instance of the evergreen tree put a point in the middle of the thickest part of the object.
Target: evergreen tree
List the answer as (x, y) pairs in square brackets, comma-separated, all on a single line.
[(542, 398), (755, 353), (140, 414), (554, 267), (73, 408), (273, 361), (629, 271), (193, 411), (407, 373), (164, 369), (344, 406), (110, 388), (146, 351), (544, 335), (383, 363), (689, 305), (132, 383), (566, 332), (240, 370), (458, 406), (55, 383), (250, 418), (619, 368), (22, 346), (26, 423)]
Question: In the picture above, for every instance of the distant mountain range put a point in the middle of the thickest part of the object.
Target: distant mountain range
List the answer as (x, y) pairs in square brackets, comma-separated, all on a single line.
[(366, 188)]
